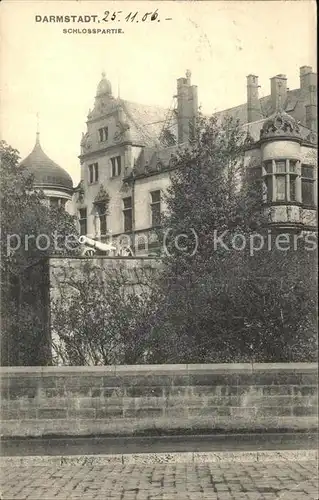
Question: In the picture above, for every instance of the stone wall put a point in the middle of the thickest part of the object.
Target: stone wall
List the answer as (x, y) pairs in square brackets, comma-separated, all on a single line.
[(134, 269), (128, 400), (49, 278)]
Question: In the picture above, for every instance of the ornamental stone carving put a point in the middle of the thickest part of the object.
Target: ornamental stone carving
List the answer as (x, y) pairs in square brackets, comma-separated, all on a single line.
[(280, 125), (102, 196), (312, 137), (249, 140), (81, 192), (122, 131), (86, 143)]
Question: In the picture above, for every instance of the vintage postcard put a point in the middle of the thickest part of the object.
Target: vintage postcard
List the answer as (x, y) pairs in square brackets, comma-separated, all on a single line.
[(158, 206)]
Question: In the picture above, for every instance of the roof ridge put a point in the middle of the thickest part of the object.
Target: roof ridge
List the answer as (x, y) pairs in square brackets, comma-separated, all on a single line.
[(146, 105)]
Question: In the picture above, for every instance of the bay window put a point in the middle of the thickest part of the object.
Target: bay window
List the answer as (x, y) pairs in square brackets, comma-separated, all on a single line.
[(281, 181)]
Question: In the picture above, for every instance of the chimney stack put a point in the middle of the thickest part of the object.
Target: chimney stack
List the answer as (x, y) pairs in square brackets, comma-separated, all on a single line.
[(311, 109), (308, 83), (187, 108), (253, 105), (278, 88), (307, 77)]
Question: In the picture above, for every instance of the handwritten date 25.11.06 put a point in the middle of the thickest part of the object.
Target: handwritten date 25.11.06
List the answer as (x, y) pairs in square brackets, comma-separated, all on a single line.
[(119, 15)]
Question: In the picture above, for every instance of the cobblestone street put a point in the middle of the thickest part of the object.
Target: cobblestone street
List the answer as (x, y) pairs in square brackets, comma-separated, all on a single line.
[(224, 481)]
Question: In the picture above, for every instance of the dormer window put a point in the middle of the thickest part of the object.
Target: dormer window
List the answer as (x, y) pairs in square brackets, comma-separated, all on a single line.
[(93, 173), (103, 134)]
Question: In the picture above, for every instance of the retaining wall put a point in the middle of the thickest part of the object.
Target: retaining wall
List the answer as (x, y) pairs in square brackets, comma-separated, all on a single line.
[(153, 399)]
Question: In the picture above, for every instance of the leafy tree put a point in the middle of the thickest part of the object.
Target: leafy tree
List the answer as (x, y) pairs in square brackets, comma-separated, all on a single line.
[(100, 316), (223, 302), (30, 230)]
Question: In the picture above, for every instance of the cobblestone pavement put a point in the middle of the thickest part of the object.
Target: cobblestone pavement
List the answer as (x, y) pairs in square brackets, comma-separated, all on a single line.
[(224, 481)]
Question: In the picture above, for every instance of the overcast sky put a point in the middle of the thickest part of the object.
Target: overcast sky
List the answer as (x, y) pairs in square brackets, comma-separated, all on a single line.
[(56, 74)]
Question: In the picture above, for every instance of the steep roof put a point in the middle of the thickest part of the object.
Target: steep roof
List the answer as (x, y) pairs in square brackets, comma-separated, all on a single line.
[(46, 172), (154, 160), (294, 105), (155, 157), (147, 122)]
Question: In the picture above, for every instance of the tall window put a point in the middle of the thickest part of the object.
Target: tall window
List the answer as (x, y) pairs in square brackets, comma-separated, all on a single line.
[(83, 220), (57, 202), (102, 214), (155, 208), (128, 214), (103, 134), (93, 173), (269, 188), (91, 177), (116, 166), (54, 202), (308, 185), (280, 180)]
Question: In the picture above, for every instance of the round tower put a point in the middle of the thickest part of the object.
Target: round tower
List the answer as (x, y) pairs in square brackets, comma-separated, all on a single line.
[(52, 179), (280, 141)]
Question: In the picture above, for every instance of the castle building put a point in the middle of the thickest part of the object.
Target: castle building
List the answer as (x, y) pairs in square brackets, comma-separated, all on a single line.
[(127, 154), (49, 177), (282, 148)]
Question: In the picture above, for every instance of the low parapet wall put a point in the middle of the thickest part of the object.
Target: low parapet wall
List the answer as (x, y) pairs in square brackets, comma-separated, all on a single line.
[(153, 399)]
